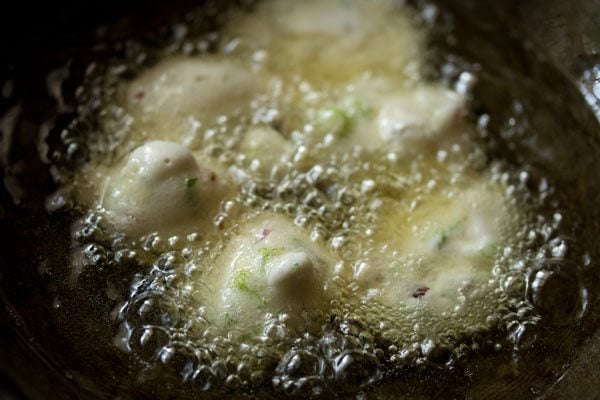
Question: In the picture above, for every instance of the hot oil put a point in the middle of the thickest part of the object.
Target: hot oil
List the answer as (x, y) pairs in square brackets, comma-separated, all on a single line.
[(151, 290)]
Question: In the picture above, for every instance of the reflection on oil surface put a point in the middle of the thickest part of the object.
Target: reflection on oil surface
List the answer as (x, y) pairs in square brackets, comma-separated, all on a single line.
[(433, 201)]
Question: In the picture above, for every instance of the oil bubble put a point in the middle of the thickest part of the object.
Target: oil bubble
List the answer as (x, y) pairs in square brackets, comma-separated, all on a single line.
[(556, 296), (354, 369)]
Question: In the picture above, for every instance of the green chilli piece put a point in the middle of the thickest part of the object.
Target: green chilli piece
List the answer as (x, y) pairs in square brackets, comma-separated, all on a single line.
[(296, 267), (190, 183), (489, 252), (334, 120), (358, 107), (443, 235), (240, 282), (229, 321), (268, 253)]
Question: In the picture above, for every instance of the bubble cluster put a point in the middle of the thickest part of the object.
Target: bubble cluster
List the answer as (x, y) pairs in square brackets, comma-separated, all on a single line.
[(337, 196)]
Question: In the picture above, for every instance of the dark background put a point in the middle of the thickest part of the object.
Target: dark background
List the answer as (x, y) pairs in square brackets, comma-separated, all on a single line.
[(32, 34)]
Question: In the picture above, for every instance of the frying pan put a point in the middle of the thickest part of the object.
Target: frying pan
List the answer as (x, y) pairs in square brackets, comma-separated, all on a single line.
[(44, 49)]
